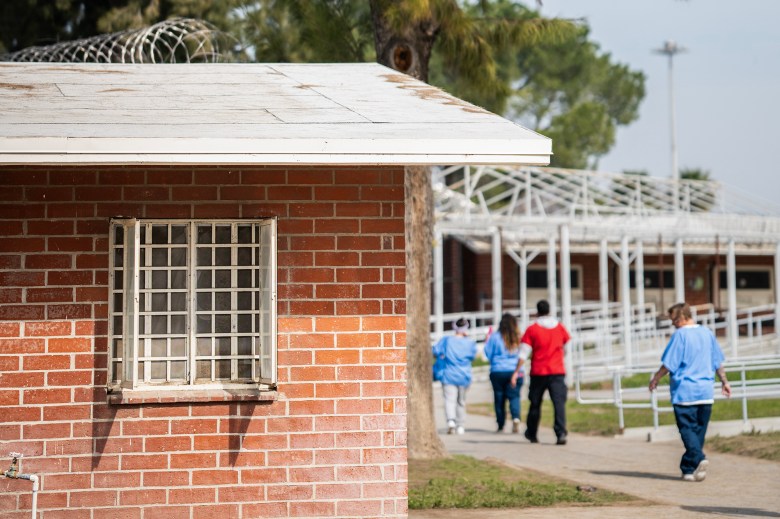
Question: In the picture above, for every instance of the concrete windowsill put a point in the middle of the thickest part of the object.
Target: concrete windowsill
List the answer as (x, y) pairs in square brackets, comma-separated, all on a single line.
[(163, 396)]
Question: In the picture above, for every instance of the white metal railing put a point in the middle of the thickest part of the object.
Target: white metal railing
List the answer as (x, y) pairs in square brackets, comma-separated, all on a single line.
[(598, 335), (622, 398), (598, 342)]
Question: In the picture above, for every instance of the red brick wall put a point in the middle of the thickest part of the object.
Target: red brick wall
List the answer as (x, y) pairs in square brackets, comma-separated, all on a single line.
[(332, 444)]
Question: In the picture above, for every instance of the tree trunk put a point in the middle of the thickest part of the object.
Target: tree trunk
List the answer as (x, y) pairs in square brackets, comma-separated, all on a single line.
[(407, 50), (423, 441)]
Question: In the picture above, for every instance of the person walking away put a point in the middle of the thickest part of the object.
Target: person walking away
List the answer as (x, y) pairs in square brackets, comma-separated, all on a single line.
[(457, 352), (691, 358), (544, 342), (502, 349)]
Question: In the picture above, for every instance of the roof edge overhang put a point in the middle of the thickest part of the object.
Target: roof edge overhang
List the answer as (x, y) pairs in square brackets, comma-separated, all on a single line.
[(269, 159), (47, 151)]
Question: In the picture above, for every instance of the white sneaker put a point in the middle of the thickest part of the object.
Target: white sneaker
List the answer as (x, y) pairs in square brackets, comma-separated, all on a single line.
[(701, 471), (461, 430), (450, 426), (688, 477), (516, 425)]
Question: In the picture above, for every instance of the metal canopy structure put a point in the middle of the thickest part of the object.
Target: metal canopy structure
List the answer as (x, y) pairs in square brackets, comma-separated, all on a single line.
[(531, 203), (527, 211), (231, 113)]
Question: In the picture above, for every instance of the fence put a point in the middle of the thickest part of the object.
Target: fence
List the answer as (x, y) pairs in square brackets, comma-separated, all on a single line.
[(742, 388), (598, 331)]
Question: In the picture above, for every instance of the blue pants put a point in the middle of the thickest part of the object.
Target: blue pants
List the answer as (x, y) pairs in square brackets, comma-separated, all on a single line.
[(503, 391), (556, 385), (692, 421)]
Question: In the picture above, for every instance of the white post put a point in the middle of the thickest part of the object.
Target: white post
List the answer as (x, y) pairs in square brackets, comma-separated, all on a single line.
[(639, 274), (566, 298), (551, 281), (522, 260), (604, 277), (496, 272), (438, 283), (523, 290), (606, 336), (565, 278), (679, 271), (625, 290), (731, 283), (777, 283)]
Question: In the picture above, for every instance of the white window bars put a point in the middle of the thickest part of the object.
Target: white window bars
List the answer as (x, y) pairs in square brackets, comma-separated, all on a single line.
[(193, 303)]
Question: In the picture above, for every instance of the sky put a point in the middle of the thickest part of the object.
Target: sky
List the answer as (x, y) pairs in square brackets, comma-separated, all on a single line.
[(726, 86)]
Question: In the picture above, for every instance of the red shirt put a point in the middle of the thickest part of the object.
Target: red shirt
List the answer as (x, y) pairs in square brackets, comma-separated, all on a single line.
[(547, 345)]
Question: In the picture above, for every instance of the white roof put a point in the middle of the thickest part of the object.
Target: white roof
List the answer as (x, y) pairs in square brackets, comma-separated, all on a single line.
[(54, 113)]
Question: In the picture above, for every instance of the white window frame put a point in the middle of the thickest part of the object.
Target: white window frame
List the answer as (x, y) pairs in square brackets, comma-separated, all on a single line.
[(125, 371)]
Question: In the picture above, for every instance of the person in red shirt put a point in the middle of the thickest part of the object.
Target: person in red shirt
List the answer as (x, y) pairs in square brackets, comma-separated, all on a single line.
[(544, 341)]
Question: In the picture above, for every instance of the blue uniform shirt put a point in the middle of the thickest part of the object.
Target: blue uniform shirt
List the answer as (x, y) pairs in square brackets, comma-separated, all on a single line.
[(501, 360), (692, 357), (458, 353)]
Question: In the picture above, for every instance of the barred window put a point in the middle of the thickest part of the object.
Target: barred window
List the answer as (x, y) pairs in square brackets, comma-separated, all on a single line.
[(653, 278), (193, 303), (748, 279), (537, 278)]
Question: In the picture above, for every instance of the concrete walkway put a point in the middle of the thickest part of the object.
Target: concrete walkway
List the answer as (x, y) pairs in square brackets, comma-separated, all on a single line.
[(735, 486)]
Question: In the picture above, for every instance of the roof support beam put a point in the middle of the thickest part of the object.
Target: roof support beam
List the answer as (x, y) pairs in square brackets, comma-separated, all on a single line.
[(731, 283), (523, 260), (625, 263), (679, 271), (552, 294), (438, 282), (777, 279), (566, 299), (496, 273), (639, 276)]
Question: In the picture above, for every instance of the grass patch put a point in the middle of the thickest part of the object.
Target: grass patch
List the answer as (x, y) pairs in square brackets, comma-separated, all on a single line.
[(602, 419), (765, 446), (479, 361), (465, 482)]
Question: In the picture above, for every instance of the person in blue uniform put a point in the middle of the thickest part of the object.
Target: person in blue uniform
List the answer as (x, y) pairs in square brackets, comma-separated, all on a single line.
[(691, 358), (502, 349), (457, 351)]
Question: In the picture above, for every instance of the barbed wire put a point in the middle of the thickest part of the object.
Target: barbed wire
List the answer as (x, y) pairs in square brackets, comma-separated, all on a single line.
[(178, 40)]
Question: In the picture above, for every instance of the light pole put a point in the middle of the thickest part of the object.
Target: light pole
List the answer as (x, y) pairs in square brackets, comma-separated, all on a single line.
[(669, 49)]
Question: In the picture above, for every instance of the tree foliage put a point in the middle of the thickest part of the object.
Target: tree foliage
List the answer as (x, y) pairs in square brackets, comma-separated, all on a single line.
[(694, 174), (24, 23), (498, 54), (572, 92)]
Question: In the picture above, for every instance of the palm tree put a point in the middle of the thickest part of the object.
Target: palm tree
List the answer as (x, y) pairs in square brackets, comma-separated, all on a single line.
[(406, 32)]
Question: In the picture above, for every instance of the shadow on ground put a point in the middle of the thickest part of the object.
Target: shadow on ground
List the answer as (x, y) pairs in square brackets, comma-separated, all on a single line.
[(634, 474), (731, 512)]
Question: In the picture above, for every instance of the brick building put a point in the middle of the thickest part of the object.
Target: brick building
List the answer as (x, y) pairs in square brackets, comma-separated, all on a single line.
[(202, 283)]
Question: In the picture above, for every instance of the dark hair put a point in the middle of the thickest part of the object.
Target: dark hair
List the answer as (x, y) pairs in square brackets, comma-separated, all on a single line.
[(543, 307), (462, 323), (680, 310), (509, 332)]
